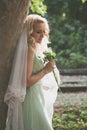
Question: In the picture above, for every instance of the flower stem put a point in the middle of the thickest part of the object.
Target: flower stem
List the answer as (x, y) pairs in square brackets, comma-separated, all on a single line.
[(56, 78)]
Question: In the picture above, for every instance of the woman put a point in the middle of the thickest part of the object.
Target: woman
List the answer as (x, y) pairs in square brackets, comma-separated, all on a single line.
[(41, 87)]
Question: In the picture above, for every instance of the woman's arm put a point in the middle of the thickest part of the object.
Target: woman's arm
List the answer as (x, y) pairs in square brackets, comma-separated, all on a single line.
[(33, 78)]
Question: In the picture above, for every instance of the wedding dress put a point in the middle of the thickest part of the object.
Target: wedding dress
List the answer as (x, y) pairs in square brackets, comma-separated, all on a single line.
[(38, 105), (30, 108)]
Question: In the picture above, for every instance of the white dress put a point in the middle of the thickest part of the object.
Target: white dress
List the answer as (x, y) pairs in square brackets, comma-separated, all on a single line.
[(39, 101)]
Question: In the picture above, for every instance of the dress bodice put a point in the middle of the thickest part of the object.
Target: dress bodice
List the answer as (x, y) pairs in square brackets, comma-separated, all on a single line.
[(38, 64)]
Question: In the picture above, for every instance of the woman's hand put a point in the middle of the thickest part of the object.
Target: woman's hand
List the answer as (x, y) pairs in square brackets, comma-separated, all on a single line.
[(49, 66)]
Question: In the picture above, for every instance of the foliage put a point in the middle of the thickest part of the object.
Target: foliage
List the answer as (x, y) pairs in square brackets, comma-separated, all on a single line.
[(38, 6), (83, 1), (71, 118), (72, 46), (68, 22)]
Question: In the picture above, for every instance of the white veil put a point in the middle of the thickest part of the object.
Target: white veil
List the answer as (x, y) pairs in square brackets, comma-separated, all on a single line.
[(48, 82), (16, 90)]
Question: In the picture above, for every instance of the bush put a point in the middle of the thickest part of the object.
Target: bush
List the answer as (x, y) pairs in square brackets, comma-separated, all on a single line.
[(70, 43), (68, 22), (71, 118)]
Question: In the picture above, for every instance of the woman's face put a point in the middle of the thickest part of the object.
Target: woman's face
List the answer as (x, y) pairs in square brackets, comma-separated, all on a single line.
[(39, 32)]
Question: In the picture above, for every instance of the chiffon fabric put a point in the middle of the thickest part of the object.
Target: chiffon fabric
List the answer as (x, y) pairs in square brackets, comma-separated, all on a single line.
[(38, 105)]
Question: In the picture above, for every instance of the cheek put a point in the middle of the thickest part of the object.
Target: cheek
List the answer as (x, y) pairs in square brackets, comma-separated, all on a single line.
[(34, 35), (37, 37)]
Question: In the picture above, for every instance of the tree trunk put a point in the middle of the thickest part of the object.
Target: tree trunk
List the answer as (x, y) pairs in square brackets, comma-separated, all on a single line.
[(12, 15)]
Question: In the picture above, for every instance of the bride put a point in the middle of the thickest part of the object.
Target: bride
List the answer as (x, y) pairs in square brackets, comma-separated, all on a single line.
[(32, 88)]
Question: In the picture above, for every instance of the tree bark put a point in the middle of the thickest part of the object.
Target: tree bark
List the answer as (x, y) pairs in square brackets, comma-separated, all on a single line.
[(12, 15)]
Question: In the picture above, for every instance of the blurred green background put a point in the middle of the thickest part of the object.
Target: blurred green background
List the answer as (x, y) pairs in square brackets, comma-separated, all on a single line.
[(68, 25)]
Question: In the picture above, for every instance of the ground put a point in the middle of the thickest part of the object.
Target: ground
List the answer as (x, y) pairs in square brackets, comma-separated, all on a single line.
[(71, 98)]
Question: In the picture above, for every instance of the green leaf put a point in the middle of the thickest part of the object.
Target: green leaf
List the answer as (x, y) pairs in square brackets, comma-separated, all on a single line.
[(83, 1), (38, 6)]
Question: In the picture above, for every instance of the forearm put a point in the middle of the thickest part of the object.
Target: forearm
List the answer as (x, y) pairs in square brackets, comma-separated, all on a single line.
[(36, 77)]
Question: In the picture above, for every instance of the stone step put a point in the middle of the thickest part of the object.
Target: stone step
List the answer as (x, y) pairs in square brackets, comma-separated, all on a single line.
[(65, 88), (73, 79), (73, 83), (79, 71)]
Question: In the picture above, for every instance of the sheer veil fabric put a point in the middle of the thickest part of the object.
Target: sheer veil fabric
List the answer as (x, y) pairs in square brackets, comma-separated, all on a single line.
[(16, 90), (49, 84)]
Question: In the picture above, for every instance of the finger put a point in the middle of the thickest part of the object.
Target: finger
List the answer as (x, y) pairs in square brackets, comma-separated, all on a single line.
[(52, 63)]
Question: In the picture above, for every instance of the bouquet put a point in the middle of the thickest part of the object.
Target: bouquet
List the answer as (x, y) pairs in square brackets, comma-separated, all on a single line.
[(49, 55)]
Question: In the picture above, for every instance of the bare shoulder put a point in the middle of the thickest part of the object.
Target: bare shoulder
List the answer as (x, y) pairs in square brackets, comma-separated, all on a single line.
[(31, 51)]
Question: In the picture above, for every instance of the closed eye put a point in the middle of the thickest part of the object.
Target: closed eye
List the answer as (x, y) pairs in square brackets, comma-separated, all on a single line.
[(40, 32)]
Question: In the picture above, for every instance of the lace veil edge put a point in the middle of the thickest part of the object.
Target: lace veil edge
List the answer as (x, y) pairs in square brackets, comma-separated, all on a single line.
[(16, 90)]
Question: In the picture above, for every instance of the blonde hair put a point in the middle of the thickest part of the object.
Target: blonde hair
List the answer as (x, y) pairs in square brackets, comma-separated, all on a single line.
[(31, 21)]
